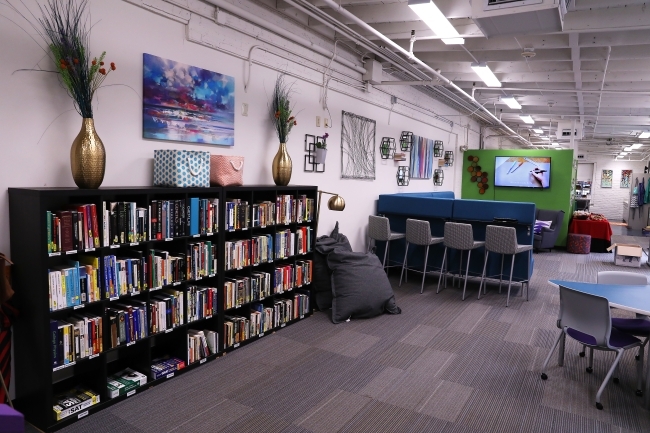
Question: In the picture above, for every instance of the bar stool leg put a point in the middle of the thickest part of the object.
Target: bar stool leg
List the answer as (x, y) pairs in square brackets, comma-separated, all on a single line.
[(403, 264), (442, 270), (385, 254), (512, 268), (424, 271), (483, 274), (501, 274), (469, 254)]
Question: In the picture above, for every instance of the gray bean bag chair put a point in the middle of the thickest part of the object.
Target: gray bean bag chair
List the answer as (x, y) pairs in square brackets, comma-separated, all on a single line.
[(321, 278), (360, 287)]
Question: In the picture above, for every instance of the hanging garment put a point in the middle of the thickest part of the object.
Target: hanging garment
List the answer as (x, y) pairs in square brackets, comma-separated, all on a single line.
[(634, 198), (642, 192), (646, 199)]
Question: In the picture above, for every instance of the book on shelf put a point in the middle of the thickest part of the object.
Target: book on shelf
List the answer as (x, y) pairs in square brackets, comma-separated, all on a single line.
[(72, 229), (201, 259), (236, 330), (73, 401), (77, 337), (201, 302), (261, 319), (303, 272), (123, 382), (197, 346), (237, 254), (262, 249), (128, 322), (263, 214), (237, 214), (163, 367)]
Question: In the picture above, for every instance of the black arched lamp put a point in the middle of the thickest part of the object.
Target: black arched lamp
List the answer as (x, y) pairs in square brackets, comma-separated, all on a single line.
[(335, 203)]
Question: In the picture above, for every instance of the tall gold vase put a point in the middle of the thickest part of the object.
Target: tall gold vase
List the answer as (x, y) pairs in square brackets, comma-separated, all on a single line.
[(282, 166), (88, 157)]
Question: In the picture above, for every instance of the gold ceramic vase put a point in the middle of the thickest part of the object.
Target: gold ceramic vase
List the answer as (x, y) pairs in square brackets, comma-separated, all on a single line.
[(87, 157), (282, 166)]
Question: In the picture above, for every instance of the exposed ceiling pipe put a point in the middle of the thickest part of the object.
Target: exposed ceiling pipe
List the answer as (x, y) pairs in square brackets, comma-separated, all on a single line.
[(408, 83), (284, 33), (622, 116), (338, 8), (602, 85), (524, 89)]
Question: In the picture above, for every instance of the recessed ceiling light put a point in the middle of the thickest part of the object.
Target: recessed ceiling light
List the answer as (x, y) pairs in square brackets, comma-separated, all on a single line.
[(538, 131), (645, 134), (484, 72), (558, 148), (628, 149), (555, 144), (623, 153), (511, 102), (545, 138), (636, 146), (432, 17), (527, 118)]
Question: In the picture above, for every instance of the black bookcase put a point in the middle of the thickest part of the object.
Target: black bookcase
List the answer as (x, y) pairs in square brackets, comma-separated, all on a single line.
[(36, 381)]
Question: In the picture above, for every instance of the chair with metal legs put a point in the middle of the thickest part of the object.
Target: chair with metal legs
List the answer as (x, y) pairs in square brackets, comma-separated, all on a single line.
[(639, 327), (586, 318), (458, 236), (418, 233), (503, 240), (379, 230)]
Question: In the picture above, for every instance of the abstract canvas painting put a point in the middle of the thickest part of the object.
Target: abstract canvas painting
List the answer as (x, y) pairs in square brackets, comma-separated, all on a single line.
[(357, 147), (421, 158), (625, 178), (606, 179), (186, 103)]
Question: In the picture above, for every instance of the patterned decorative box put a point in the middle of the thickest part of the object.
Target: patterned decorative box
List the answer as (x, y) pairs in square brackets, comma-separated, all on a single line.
[(181, 168)]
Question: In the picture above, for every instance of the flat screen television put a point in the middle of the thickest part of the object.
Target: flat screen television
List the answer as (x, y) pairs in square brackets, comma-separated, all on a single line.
[(522, 171)]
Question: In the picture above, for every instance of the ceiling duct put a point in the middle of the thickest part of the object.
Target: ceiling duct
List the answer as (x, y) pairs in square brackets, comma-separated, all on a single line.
[(518, 17)]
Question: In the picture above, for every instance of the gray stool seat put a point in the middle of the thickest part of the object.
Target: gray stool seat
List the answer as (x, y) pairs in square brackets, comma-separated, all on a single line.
[(418, 232), (503, 240), (459, 236), (379, 230)]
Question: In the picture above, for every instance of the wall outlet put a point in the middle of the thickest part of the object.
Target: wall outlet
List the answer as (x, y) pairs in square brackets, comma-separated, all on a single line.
[(317, 121), (326, 122), (244, 109)]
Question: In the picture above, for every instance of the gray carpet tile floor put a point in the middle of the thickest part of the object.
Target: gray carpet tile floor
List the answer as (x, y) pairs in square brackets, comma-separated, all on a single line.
[(443, 365)]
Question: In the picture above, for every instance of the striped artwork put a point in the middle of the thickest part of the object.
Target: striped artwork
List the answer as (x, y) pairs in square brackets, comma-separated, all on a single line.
[(421, 158)]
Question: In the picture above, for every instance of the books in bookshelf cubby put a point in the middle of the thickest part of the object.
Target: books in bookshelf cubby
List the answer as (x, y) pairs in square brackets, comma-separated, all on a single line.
[(201, 302), (165, 268), (77, 337), (242, 290), (127, 322), (262, 249), (72, 229), (166, 367), (282, 312), (201, 344), (289, 209), (237, 214), (237, 254), (263, 214), (303, 272), (125, 382), (236, 330), (124, 222), (201, 260), (300, 305), (173, 312), (73, 401), (72, 285), (288, 243), (261, 319)]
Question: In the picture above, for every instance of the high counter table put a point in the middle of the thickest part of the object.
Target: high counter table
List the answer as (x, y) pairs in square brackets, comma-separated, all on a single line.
[(630, 298)]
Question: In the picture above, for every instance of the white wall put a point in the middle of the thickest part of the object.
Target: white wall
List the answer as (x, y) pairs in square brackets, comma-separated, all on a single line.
[(39, 123), (612, 202)]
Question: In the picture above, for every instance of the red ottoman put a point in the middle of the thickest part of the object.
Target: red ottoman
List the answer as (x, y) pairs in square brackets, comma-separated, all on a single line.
[(578, 244)]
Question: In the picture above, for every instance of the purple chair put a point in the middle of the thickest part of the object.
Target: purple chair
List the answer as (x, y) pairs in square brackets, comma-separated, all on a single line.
[(586, 318), (11, 421)]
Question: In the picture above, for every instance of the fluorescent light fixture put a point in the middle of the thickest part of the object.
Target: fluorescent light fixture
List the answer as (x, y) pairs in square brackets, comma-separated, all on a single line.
[(432, 17), (557, 148), (454, 41), (526, 118), (623, 153), (645, 134), (555, 144), (618, 156), (484, 72), (628, 149), (511, 102), (545, 138), (636, 146), (538, 131)]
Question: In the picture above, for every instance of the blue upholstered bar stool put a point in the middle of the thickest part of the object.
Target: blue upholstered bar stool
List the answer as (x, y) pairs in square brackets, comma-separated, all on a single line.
[(503, 240), (418, 232), (460, 237), (379, 230)]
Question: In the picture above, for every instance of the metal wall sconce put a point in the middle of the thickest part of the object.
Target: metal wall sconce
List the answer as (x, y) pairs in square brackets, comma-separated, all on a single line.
[(449, 158), (403, 175), (438, 148), (438, 177), (405, 140), (387, 148)]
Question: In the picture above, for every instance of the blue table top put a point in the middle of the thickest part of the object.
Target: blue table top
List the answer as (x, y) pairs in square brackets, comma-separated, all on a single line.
[(631, 298)]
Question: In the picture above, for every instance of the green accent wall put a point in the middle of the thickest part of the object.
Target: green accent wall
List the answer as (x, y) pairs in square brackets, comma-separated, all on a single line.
[(557, 196)]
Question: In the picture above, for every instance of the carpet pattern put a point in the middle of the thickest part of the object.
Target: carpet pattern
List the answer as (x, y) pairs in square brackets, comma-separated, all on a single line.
[(443, 365)]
